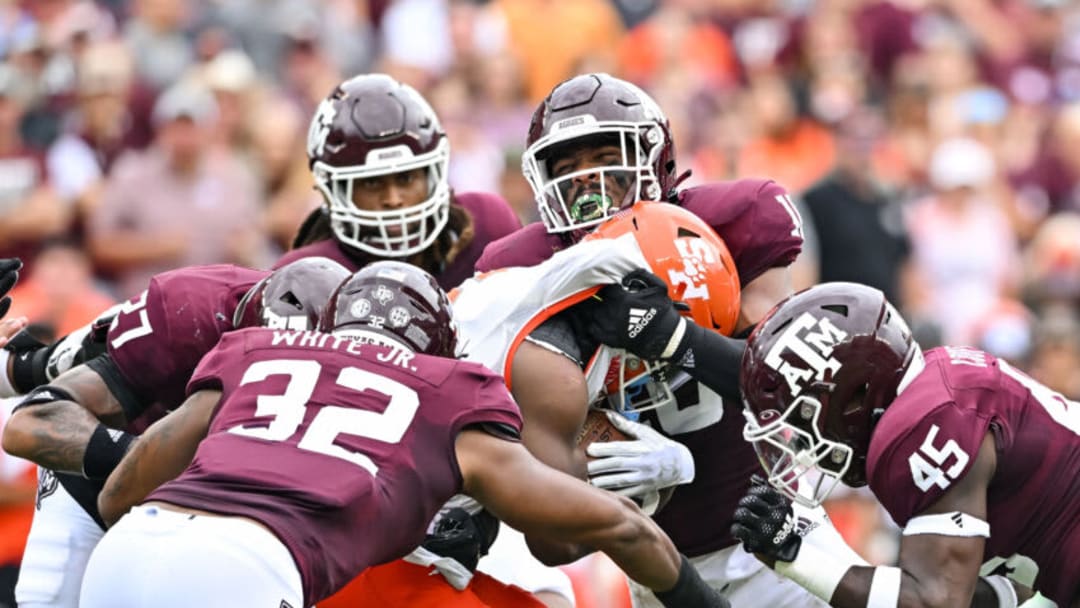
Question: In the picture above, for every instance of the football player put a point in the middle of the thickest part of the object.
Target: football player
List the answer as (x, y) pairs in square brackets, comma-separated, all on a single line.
[(977, 461), (153, 345), (597, 144), (305, 457), (379, 157)]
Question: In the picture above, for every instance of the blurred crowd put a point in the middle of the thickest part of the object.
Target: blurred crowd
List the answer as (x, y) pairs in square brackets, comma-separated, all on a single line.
[(933, 146)]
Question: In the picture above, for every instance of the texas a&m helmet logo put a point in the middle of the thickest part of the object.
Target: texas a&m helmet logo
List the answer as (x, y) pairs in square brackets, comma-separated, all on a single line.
[(696, 255), (320, 127), (811, 341)]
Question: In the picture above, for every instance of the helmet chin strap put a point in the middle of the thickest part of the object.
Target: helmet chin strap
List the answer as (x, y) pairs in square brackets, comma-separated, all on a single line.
[(672, 195)]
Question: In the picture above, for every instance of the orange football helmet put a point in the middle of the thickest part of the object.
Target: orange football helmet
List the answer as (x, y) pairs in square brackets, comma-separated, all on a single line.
[(688, 255)]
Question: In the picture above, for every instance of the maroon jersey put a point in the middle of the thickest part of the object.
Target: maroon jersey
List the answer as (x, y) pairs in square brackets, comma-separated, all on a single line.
[(159, 336), (762, 230), (929, 437), (756, 219), (492, 219), (698, 517), (344, 451)]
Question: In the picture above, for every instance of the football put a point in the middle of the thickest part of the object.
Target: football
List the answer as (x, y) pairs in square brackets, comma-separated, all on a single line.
[(598, 428)]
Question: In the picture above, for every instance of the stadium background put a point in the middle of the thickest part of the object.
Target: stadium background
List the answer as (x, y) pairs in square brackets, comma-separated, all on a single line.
[(932, 145)]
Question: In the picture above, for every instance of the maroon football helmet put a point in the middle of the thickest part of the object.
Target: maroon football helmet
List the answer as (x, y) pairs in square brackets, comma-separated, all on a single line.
[(372, 125), (818, 372), (597, 109), (291, 297), (395, 303)]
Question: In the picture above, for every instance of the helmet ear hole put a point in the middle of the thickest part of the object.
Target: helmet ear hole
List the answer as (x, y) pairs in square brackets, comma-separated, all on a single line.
[(290, 298), (840, 309), (855, 403)]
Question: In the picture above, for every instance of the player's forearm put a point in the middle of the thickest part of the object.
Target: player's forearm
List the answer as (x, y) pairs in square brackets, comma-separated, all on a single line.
[(641, 549), (159, 455), (557, 450), (52, 435), (554, 553), (714, 360), (892, 586)]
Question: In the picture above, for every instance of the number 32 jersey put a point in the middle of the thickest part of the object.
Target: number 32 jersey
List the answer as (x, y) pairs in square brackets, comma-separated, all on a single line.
[(344, 451), (927, 441)]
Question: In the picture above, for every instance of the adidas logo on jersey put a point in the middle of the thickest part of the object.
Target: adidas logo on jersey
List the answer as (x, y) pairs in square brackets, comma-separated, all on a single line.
[(958, 519), (639, 320)]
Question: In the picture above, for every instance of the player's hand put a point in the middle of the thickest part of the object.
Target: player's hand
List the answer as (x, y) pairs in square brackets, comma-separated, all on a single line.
[(9, 275), (638, 316), (639, 467), (765, 523), (10, 327), (463, 537)]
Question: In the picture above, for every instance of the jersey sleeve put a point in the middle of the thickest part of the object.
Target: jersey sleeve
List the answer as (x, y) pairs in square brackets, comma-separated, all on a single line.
[(756, 218), (914, 462), (487, 398), (139, 341), (494, 217), (210, 374), (158, 337), (495, 311), (525, 247)]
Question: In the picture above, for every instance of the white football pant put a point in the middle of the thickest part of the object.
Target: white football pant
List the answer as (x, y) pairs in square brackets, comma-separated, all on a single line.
[(167, 559), (61, 539)]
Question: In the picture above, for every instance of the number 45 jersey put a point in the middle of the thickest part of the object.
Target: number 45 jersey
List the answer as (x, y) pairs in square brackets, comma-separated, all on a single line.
[(344, 451), (927, 441)]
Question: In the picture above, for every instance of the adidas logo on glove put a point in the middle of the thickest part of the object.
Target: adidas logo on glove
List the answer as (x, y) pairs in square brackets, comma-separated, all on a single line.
[(639, 320)]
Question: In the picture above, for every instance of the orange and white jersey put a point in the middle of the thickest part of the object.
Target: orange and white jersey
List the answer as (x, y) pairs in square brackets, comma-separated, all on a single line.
[(496, 310)]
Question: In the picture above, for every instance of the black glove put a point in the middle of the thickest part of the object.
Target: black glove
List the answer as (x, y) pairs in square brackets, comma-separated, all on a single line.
[(464, 537), (9, 275), (765, 523), (638, 316)]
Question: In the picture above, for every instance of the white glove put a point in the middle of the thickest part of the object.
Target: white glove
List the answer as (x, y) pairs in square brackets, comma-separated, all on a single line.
[(70, 347), (639, 467)]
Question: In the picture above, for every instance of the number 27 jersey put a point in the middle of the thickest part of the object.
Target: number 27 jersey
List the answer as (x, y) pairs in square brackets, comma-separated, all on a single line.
[(929, 437)]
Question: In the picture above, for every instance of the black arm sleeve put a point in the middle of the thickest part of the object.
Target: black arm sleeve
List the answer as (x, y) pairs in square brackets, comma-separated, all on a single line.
[(29, 359), (105, 367), (714, 360)]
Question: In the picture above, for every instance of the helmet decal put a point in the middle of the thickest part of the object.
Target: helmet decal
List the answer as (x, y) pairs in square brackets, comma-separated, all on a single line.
[(811, 340), (818, 372), (393, 303), (320, 127)]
